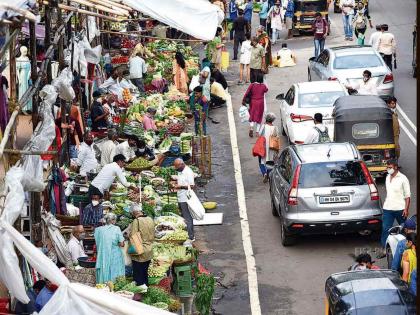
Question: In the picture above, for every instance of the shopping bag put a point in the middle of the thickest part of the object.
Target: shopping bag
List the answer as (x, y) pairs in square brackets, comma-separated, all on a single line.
[(224, 63), (194, 205), (243, 114), (259, 147), (274, 143), (126, 254), (136, 244)]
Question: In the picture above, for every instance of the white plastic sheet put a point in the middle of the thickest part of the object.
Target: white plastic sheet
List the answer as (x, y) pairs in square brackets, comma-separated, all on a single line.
[(195, 206), (197, 18), (10, 274), (63, 85)]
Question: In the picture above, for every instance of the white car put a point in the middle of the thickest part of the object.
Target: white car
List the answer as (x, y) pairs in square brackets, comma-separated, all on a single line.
[(395, 235), (302, 102)]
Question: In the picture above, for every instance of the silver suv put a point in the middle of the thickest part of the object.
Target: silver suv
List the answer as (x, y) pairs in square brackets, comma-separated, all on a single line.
[(323, 188)]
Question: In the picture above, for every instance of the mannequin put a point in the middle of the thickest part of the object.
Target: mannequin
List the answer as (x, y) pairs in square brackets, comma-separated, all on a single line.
[(23, 70)]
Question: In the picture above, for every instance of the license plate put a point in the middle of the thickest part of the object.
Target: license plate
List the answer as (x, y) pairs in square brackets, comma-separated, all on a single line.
[(334, 199)]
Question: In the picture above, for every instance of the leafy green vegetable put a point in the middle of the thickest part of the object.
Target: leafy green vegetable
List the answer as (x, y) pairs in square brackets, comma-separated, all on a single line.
[(156, 295), (148, 210), (204, 293)]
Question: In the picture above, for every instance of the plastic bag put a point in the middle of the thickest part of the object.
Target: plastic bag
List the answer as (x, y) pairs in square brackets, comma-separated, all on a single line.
[(243, 114), (259, 147), (195, 206), (63, 84), (195, 81), (224, 63), (93, 55)]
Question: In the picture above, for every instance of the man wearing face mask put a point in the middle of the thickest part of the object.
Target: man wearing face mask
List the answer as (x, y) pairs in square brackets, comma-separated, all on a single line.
[(103, 181), (185, 179), (93, 212), (86, 158), (98, 113), (144, 151), (108, 147), (128, 148), (392, 105), (397, 201), (367, 87), (75, 244)]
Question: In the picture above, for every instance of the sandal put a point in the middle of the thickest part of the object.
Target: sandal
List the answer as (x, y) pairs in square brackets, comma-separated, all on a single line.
[(251, 133)]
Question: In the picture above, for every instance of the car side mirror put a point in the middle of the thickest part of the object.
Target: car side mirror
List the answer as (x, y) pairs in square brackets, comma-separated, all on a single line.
[(312, 59), (395, 230), (280, 96)]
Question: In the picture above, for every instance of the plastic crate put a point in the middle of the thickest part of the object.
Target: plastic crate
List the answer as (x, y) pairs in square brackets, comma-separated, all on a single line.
[(183, 281)]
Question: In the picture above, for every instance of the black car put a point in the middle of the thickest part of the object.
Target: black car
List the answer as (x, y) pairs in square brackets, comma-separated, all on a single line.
[(368, 292)]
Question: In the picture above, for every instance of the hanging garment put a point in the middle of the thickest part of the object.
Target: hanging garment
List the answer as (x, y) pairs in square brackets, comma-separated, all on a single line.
[(23, 69), (4, 108)]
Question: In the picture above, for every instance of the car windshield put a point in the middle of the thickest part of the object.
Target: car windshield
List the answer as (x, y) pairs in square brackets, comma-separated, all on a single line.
[(319, 99), (357, 61), (331, 174)]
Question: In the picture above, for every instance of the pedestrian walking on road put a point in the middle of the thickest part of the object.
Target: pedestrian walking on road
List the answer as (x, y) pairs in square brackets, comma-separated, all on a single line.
[(320, 29), (268, 130), (290, 12), (264, 13), (256, 62), (265, 42), (185, 181), (374, 38), (347, 10), (245, 59), (276, 21), (240, 28), (255, 97), (248, 13), (392, 105), (214, 49), (233, 15), (319, 133), (360, 22), (397, 201), (387, 46)]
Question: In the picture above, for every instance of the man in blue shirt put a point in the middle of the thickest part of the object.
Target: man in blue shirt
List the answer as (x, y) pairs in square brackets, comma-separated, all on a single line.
[(44, 296), (233, 14), (409, 227), (248, 13), (93, 212), (263, 13), (290, 12)]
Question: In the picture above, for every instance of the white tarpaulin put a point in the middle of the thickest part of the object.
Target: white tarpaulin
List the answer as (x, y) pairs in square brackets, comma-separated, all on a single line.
[(197, 18)]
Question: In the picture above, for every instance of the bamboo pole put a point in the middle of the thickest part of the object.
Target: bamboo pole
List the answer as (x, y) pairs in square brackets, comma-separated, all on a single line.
[(110, 6), (102, 8), (26, 152), (120, 4), (138, 33), (25, 13), (77, 10), (34, 74)]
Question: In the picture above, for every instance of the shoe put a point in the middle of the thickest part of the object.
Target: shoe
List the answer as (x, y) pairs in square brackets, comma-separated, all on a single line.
[(265, 180), (251, 133), (246, 81), (235, 59), (350, 38), (240, 82)]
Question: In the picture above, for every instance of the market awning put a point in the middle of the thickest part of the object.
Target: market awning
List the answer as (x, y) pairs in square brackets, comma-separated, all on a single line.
[(198, 18)]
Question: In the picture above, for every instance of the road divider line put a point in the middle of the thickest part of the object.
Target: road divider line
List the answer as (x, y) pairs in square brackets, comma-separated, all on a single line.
[(246, 234), (410, 136), (404, 115)]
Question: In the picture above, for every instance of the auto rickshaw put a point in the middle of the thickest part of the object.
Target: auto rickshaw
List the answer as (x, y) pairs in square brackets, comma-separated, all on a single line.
[(368, 292), (366, 120), (305, 11)]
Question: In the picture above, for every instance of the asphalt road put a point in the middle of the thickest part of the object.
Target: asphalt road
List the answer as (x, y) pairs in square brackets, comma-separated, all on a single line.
[(291, 280)]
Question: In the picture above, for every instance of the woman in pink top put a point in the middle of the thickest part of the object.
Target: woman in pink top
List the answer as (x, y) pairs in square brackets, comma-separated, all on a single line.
[(148, 119)]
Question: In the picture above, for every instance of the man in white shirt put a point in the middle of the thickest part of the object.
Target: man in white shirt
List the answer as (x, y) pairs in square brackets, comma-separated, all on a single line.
[(374, 38), (347, 10), (103, 181), (108, 148), (138, 68), (397, 201), (286, 57), (112, 84), (75, 244), (86, 158), (367, 87), (319, 133), (185, 179), (127, 148), (387, 46)]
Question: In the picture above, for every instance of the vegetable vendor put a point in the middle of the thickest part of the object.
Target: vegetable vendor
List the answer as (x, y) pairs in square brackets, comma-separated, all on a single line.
[(128, 148), (112, 84), (148, 119), (75, 244), (146, 227), (93, 213), (109, 241), (86, 159), (144, 151), (138, 69), (108, 147), (99, 114), (106, 177), (200, 109)]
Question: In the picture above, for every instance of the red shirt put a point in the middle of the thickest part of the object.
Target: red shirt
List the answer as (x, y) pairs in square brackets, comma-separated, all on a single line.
[(319, 28)]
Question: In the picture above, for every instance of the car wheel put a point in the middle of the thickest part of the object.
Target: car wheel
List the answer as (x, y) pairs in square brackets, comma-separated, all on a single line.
[(286, 238), (309, 76), (389, 256), (273, 208)]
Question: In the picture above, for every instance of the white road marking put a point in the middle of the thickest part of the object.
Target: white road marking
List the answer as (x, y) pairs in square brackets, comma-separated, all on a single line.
[(404, 115), (410, 136), (246, 234)]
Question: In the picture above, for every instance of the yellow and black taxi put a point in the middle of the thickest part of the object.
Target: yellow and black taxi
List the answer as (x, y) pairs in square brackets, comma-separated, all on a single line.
[(305, 11), (368, 292)]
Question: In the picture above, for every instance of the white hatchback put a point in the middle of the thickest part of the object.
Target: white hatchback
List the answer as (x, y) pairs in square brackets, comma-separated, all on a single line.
[(302, 102)]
